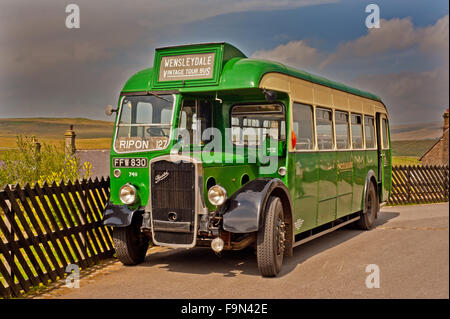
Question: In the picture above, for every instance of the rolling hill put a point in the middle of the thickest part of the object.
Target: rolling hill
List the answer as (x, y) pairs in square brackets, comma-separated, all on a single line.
[(407, 139), (91, 134), (55, 127), (416, 131)]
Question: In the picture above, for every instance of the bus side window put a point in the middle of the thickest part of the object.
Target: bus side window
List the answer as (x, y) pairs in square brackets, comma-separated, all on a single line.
[(369, 131), (342, 130), (251, 124), (324, 127), (357, 131), (303, 126), (384, 131)]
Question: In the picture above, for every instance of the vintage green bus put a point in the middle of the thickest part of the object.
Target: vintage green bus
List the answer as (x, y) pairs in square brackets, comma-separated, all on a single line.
[(288, 156)]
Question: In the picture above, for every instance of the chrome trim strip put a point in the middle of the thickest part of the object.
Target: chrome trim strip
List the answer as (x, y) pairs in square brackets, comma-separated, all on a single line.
[(176, 227)]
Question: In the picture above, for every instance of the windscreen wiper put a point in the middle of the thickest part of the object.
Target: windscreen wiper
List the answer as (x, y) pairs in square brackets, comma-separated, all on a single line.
[(158, 96)]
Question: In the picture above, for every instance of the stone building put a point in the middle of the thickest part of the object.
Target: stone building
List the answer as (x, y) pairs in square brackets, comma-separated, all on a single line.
[(99, 159), (438, 153)]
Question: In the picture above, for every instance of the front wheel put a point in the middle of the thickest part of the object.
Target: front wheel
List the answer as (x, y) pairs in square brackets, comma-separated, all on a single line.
[(369, 214), (270, 243), (131, 245)]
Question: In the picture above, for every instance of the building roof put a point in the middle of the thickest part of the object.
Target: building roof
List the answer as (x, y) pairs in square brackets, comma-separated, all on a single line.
[(437, 142)]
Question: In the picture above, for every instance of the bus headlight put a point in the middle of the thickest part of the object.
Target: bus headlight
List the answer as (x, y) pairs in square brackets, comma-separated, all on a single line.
[(217, 195), (127, 194)]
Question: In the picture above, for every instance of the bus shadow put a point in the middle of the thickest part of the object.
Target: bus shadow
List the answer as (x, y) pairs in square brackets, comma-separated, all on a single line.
[(203, 261)]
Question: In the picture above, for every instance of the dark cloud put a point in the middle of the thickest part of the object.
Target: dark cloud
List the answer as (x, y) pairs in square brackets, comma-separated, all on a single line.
[(49, 70)]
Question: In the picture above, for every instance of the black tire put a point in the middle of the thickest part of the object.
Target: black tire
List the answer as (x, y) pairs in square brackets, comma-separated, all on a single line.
[(370, 212), (270, 242), (130, 244)]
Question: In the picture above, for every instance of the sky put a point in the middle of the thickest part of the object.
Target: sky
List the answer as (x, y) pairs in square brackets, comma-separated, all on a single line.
[(48, 70)]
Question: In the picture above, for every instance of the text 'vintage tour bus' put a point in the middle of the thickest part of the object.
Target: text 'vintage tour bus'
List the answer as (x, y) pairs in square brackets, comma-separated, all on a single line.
[(213, 149)]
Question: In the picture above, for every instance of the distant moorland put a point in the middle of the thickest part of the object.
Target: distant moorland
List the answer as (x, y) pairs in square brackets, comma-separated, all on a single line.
[(90, 134), (416, 131), (409, 141)]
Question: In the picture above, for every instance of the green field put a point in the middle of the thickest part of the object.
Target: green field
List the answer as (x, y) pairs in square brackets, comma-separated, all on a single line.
[(413, 148)]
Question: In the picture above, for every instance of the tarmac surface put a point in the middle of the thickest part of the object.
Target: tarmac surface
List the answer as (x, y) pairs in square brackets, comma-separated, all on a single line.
[(410, 246)]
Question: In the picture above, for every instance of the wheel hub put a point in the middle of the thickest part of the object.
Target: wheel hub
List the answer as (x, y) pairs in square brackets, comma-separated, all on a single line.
[(281, 237)]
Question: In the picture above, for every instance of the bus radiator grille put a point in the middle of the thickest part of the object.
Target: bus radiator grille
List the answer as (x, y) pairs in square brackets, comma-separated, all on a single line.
[(173, 200)]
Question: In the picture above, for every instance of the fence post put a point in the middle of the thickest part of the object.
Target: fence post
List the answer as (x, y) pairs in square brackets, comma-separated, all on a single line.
[(408, 183), (445, 168), (11, 231)]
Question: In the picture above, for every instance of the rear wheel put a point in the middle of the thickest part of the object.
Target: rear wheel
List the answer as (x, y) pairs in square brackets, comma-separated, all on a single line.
[(130, 244), (369, 214), (270, 243)]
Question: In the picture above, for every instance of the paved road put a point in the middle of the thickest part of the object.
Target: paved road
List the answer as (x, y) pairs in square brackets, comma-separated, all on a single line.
[(410, 245)]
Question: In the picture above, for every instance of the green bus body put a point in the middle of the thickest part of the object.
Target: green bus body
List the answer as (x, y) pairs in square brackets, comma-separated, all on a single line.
[(323, 185)]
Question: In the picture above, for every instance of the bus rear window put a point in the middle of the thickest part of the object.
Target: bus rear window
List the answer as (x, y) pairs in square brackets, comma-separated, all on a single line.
[(384, 130)]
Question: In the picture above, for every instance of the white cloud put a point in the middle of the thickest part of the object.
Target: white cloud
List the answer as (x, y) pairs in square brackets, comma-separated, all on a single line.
[(295, 53), (435, 39), (395, 35)]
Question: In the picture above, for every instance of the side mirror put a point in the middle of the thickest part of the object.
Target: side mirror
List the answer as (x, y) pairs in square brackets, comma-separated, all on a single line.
[(109, 110)]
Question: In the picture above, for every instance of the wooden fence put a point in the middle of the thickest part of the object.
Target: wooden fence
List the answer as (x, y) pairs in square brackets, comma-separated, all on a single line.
[(44, 229), (419, 184)]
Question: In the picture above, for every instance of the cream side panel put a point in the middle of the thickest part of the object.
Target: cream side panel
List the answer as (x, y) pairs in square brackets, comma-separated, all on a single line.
[(276, 82), (340, 100), (355, 104), (322, 96), (302, 91), (368, 108), (380, 108), (311, 93)]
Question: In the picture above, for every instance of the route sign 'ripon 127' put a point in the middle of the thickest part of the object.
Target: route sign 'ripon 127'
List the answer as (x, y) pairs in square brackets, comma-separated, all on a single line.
[(214, 149)]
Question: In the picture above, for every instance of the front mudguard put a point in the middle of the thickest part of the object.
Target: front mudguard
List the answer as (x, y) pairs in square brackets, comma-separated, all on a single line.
[(244, 210), (117, 215)]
